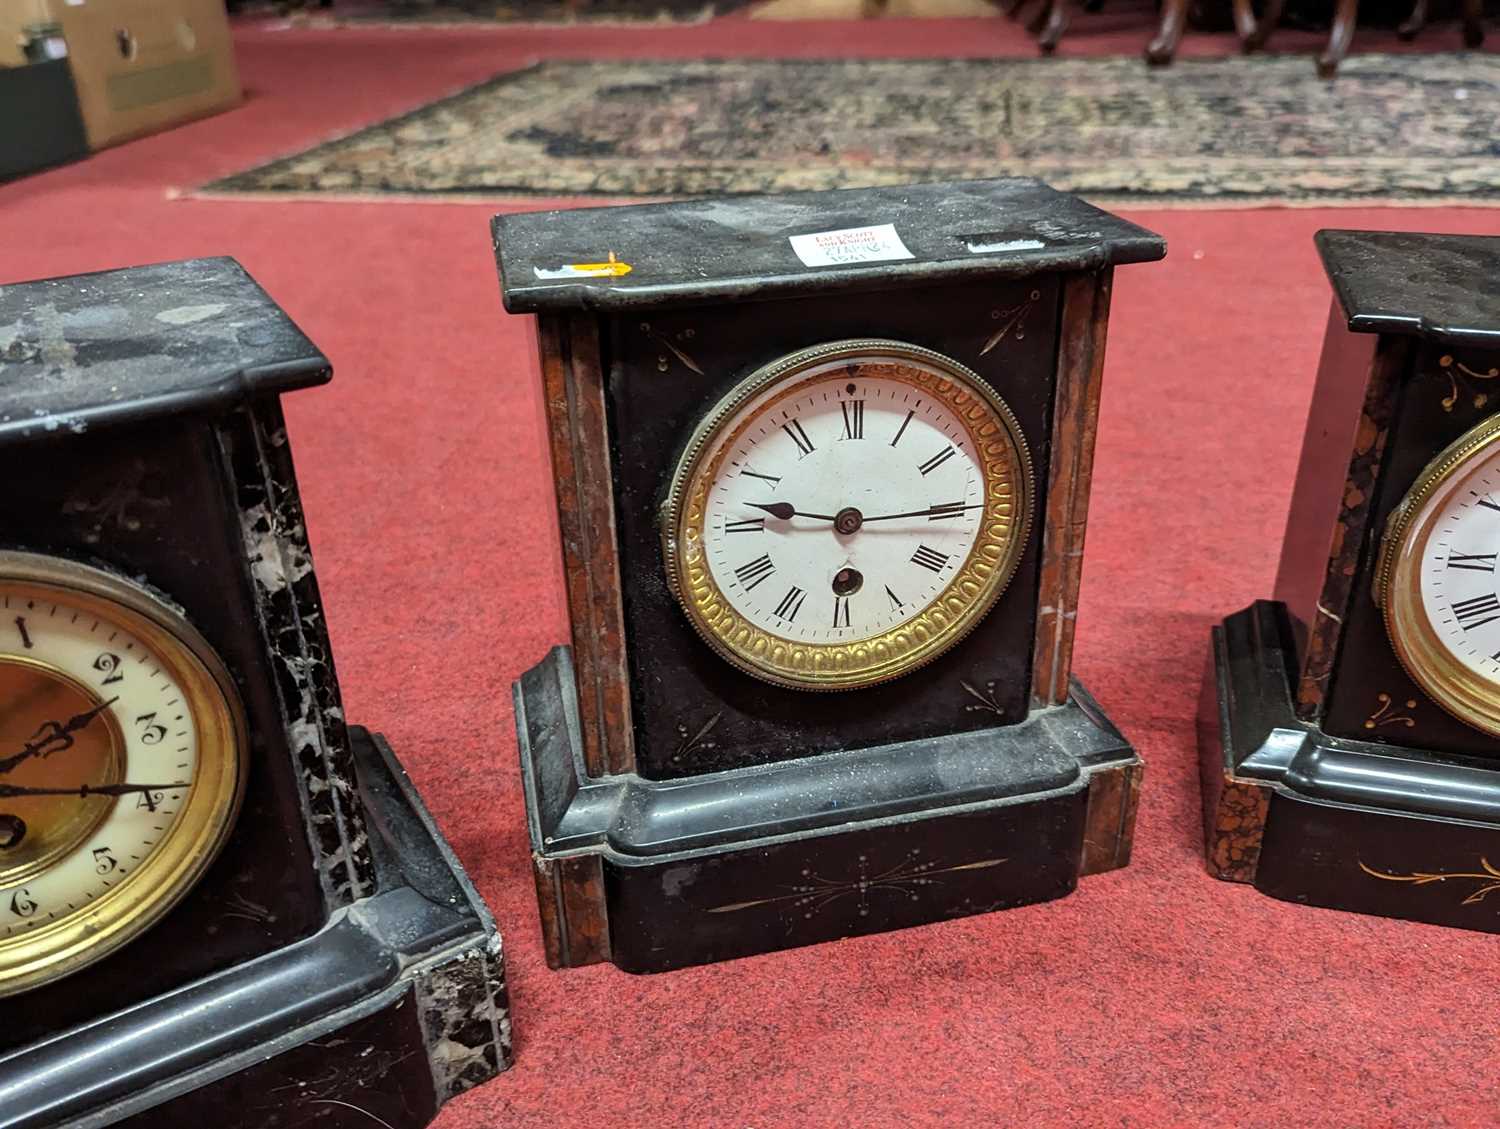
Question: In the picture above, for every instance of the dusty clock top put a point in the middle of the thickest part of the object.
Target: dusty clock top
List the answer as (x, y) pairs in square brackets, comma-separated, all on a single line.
[(1445, 288), (88, 350), (723, 248)]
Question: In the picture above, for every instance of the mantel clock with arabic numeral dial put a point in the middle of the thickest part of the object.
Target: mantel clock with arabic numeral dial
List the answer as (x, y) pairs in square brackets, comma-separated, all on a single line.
[(822, 464), (1351, 727), (218, 902)]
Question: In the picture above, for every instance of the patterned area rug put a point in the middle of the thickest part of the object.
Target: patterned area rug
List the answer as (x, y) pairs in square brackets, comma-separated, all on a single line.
[(1251, 130), (416, 13), (544, 12)]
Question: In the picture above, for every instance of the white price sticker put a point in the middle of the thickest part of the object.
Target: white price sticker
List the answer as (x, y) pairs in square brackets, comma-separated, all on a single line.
[(851, 245)]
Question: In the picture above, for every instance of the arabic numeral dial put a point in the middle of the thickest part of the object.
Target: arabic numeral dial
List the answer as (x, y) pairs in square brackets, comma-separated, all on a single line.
[(121, 763)]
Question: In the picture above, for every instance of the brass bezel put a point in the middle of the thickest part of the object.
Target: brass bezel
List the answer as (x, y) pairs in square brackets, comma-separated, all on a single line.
[(1469, 697), (948, 619), (206, 818)]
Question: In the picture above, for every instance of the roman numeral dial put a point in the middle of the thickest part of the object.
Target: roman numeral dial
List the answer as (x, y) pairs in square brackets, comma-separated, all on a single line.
[(834, 501), (1438, 582)]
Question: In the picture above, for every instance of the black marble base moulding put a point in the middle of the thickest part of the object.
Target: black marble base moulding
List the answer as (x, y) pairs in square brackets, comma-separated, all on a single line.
[(1368, 826), (395, 1006), (661, 874)]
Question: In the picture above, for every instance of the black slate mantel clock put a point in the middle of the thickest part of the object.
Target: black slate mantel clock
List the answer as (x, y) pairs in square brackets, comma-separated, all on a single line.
[(822, 464), (219, 904), (1350, 734)]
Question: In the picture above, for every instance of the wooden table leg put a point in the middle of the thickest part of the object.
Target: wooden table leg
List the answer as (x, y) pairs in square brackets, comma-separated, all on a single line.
[(1159, 51), (1269, 19), (1473, 23), (1053, 26), (1413, 23), (1345, 16), (1252, 30), (1244, 20)]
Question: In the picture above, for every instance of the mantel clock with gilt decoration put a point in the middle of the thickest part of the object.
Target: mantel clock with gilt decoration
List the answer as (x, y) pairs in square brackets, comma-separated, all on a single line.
[(822, 465), (219, 903), (1350, 734)]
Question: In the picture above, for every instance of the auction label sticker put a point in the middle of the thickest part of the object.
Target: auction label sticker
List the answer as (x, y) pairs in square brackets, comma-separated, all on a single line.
[(612, 269), (851, 245)]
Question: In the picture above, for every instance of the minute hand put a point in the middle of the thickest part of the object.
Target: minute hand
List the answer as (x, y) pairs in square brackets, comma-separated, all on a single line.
[(930, 511), (11, 791)]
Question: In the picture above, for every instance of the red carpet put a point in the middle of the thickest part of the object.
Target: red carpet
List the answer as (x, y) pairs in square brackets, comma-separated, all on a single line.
[(1156, 995)]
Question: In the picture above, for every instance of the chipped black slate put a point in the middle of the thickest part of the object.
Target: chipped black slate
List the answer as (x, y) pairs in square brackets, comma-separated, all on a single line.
[(1441, 287), (89, 350), (713, 249)]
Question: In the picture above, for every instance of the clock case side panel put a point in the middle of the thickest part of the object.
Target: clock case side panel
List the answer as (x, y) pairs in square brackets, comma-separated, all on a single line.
[(1114, 792), (258, 458), (573, 391), (1084, 323), (153, 500), (1330, 523), (694, 713)]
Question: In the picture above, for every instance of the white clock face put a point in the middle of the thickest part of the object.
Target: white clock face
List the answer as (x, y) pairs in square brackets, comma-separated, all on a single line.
[(1459, 583), (847, 514), (842, 510)]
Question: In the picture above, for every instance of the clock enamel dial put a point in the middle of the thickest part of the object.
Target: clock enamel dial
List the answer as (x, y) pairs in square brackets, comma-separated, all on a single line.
[(1437, 580), (847, 513), (121, 764)]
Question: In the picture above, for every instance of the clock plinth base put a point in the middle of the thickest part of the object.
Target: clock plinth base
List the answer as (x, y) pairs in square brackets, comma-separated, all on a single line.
[(395, 1006), (1368, 826), (656, 875)]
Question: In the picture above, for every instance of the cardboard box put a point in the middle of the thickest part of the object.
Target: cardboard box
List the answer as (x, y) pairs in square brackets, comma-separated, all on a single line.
[(139, 65)]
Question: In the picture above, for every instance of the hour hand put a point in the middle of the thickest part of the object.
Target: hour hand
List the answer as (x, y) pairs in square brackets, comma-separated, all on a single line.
[(785, 510), (782, 510), (54, 737)]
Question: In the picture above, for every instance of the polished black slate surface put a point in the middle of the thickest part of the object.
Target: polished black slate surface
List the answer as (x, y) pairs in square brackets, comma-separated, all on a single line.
[(1262, 738), (1371, 827), (752, 860), (713, 249), (92, 349), (633, 818), (1442, 287)]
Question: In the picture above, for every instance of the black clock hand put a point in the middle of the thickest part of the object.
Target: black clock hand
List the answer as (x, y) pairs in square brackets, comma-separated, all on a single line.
[(53, 737), (785, 510), (11, 791), (931, 511)]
